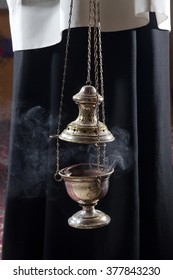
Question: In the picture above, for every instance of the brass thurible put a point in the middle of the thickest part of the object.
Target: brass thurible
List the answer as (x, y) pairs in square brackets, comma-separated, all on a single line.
[(86, 183)]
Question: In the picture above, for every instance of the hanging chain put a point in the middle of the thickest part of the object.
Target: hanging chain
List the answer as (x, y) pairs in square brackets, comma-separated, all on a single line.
[(101, 75), (94, 18), (98, 62), (88, 81), (57, 176), (101, 63), (96, 65), (94, 14)]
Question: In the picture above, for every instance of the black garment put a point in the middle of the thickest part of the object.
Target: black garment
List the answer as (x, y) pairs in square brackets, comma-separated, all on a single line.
[(137, 103)]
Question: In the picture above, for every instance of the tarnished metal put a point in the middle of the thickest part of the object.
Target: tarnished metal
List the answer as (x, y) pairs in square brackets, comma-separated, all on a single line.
[(86, 185), (85, 128)]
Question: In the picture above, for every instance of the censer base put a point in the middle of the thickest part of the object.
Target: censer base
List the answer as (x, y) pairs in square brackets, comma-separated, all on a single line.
[(86, 185), (84, 220)]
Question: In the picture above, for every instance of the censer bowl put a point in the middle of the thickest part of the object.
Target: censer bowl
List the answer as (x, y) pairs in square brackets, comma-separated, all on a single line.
[(87, 184)]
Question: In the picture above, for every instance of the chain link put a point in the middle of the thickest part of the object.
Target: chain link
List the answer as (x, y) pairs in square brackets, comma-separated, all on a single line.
[(57, 176), (88, 81), (94, 18), (96, 73), (96, 61), (101, 75), (99, 60)]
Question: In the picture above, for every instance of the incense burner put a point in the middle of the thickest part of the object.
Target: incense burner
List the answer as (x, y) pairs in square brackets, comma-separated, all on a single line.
[(87, 184)]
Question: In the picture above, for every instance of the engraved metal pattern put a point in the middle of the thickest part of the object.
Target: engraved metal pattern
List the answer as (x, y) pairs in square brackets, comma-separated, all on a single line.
[(86, 128)]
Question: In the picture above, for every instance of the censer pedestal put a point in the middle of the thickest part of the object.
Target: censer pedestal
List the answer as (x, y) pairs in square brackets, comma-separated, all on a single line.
[(86, 184), (89, 218)]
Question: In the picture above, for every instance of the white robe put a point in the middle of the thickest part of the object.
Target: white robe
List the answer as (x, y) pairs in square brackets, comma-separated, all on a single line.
[(39, 23)]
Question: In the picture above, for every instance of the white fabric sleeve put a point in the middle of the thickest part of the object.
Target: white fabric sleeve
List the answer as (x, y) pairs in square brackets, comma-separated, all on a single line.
[(39, 23)]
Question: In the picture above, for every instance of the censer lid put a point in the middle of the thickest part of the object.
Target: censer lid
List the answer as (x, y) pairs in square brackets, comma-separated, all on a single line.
[(87, 94), (76, 133), (86, 129)]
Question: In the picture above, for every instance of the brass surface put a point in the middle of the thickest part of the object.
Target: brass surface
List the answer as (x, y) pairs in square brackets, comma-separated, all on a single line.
[(89, 220), (86, 185), (86, 128)]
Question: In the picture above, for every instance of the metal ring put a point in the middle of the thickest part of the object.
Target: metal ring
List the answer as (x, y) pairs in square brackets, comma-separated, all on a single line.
[(97, 144), (57, 177)]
